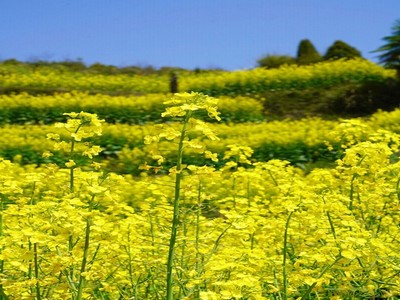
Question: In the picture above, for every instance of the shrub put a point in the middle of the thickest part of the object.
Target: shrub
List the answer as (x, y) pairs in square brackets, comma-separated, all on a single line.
[(272, 61), (307, 54), (340, 49)]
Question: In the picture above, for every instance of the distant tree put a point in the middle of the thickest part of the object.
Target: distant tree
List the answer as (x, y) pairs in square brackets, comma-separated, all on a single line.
[(307, 54), (11, 61), (340, 49), (390, 56), (169, 70), (271, 61), (129, 70), (72, 65), (103, 69)]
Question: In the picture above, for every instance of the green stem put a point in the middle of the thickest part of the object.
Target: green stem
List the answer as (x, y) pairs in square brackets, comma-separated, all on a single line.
[(2, 293), (70, 248), (398, 190), (35, 259), (67, 275), (355, 175), (234, 191), (331, 224), (71, 155), (197, 239), (30, 271), (175, 219), (277, 285), (273, 178), (82, 280), (183, 253), (33, 193), (133, 286), (352, 191), (306, 295), (252, 241), (71, 171), (152, 235), (285, 250), (248, 194), (216, 243)]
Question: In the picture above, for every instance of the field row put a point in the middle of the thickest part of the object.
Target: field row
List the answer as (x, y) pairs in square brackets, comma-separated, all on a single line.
[(291, 77), (124, 149), (28, 109), (235, 83)]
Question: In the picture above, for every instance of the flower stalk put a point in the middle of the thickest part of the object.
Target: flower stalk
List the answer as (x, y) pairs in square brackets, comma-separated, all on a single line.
[(175, 218)]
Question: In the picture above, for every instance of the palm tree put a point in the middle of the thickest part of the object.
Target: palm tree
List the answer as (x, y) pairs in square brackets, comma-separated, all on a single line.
[(390, 56)]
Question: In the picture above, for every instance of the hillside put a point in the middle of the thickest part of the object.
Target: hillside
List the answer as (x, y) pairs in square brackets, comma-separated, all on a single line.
[(111, 187)]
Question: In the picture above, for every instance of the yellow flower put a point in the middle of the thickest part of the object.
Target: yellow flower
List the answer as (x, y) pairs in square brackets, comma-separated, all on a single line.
[(47, 154), (210, 155), (70, 164), (92, 151)]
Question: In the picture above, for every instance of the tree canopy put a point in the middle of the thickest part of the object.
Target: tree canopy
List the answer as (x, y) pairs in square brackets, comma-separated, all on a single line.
[(340, 49), (271, 61), (306, 53), (390, 56)]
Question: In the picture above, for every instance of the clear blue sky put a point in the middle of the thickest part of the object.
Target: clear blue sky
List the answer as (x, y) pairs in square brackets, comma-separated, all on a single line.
[(229, 34)]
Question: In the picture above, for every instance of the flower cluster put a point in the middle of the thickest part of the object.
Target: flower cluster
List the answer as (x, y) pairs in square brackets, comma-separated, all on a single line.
[(185, 106)]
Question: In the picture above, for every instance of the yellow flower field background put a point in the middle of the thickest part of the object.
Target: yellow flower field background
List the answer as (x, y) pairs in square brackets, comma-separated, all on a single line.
[(188, 196)]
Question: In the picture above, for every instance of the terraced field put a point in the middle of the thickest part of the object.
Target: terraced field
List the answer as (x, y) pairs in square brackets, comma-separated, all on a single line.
[(112, 188)]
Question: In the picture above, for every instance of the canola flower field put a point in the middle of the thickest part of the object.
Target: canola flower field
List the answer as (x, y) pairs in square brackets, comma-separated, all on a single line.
[(243, 82), (27, 109), (176, 207)]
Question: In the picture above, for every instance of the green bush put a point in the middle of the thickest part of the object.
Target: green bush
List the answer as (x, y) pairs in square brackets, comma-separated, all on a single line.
[(339, 50), (307, 54), (272, 61)]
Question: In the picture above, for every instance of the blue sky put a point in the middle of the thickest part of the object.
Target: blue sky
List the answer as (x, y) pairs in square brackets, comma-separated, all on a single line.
[(228, 34)]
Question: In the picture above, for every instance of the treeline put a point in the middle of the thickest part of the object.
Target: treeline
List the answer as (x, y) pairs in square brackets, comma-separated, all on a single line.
[(307, 54), (99, 68)]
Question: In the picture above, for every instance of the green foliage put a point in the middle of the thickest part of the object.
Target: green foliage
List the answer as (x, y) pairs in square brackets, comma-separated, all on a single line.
[(344, 100), (70, 65), (11, 61), (390, 56), (340, 49), (272, 61), (367, 98), (95, 68), (307, 54), (103, 69)]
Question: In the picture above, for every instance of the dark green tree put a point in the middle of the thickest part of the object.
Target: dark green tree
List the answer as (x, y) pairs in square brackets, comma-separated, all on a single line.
[(11, 61), (307, 54), (99, 68), (390, 56), (340, 49), (271, 61)]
